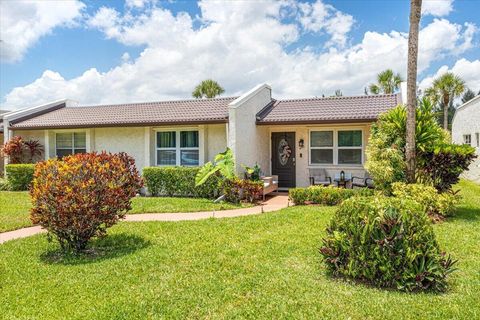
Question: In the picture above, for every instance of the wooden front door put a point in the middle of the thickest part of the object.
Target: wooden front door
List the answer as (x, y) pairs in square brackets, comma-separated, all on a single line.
[(283, 158)]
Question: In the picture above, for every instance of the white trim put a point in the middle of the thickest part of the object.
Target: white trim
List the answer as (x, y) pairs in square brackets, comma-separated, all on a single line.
[(47, 145), (249, 94), (72, 132), (177, 148), (147, 146)]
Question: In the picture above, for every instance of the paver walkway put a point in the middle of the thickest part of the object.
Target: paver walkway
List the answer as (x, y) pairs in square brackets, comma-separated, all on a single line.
[(274, 203)]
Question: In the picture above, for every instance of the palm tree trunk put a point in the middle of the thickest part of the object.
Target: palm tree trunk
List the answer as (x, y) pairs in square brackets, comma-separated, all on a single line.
[(415, 14), (446, 104)]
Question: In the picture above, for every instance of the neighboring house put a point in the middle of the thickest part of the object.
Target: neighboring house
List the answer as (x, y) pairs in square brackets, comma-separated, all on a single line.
[(285, 137), (2, 112), (466, 129)]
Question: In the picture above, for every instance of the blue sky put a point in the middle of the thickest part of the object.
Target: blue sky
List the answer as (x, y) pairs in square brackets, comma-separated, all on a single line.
[(99, 52)]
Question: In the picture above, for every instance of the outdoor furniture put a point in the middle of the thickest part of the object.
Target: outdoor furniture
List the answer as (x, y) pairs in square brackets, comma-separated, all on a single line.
[(270, 184), (365, 182), (319, 177), (343, 182)]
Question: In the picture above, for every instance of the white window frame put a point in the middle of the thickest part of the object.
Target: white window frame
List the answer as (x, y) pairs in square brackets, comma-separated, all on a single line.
[(177, 148), (469, 136), (336, 148), (72, 149)]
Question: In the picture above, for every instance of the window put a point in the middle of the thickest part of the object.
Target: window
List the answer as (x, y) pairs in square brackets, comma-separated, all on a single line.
[(336, 147), (70, 143), (467, 139), (177, 148), (477, 135)]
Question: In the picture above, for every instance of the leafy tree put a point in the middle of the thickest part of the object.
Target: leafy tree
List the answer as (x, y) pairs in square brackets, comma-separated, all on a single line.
[(415, 15), (387, 82), (338, 93), (207, 89), (444, 90), (468, 95)]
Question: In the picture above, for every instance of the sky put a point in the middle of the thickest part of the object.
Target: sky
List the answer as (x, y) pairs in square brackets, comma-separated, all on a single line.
[(99, 52)]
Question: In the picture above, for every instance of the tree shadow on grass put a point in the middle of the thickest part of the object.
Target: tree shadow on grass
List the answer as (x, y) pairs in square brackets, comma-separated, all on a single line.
[(109, 247), (467, 214)]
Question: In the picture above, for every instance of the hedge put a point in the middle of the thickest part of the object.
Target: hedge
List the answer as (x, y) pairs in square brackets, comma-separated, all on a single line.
[(19, 176), (180, 182), (329, 196)]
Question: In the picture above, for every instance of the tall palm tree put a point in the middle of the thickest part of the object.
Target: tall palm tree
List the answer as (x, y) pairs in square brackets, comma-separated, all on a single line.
[(415, 15), (387, 82), (207, 89), (444, 90)]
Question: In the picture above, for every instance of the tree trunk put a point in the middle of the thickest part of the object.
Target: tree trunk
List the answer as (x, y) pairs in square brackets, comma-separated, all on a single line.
[(415, 14), (446, 105)]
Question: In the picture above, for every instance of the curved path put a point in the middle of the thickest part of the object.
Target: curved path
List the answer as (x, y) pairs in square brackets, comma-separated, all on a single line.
[(274, 203)]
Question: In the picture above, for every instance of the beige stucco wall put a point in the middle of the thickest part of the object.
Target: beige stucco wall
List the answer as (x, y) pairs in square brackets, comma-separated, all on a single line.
[(467, 121), (216, 137)]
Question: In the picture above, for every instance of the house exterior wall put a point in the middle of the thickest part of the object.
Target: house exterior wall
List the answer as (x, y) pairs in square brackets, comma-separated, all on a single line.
[(2, 160), (247, 140), (467, 121)]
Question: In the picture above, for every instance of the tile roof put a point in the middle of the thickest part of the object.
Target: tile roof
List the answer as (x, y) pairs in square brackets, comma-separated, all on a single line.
[(150, 113), (331, 109)]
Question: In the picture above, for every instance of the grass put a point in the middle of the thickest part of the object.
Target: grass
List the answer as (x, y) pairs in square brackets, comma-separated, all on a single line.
[(15, 206), (264, 266)]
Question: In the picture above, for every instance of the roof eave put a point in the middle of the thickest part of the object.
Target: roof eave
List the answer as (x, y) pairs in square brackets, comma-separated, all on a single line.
[(300, 122)]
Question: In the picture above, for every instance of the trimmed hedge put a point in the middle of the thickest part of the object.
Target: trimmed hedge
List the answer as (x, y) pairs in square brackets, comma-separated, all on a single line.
[(19, 176), (386, 242), (329, 196), (180, 182)]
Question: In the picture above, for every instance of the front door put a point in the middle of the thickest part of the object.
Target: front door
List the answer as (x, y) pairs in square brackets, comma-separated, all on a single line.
[(283, 158)]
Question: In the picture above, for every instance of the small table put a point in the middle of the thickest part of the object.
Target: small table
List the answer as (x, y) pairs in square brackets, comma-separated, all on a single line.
[(342, 183)]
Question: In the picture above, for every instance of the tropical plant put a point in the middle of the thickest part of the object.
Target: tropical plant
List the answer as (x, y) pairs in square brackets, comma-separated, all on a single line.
[(223, 163), (252, 173), (387, 82), (80, 196), (386, 242), (207, 89), (443, 91), (19, 150), (410, 155), (468, 95), (34, 149)]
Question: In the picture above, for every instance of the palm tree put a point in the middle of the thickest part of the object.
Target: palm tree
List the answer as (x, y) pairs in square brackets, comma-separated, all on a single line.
[(207, 89), (415, 14), (387, 82), (444, 90)]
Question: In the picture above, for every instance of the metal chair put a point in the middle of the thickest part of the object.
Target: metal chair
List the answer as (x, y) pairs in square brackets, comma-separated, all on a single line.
[(319, 177), (365, 182)]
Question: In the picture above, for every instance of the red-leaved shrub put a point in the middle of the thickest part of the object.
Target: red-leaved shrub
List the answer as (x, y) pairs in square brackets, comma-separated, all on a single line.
[(80, 196)]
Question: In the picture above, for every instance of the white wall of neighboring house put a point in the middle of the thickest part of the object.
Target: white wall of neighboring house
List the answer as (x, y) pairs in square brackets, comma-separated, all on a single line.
[(466, 122)]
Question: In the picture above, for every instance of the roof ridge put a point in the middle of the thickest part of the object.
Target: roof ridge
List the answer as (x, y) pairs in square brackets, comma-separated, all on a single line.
[(340, 98), (155, 102)]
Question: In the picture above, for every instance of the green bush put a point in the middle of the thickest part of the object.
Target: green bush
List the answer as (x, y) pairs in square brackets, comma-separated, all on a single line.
[(236, 190), (433, 203), (386, 242), (329, 196), (4, 186), (179, 181), (19, 176)]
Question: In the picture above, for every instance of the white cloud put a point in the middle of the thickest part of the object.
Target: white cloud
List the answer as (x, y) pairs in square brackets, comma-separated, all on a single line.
[(22, 23), (466, 69), (239, 44), (437, 8)]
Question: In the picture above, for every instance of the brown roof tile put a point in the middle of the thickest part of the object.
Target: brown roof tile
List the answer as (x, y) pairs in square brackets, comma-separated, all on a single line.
[(154, 113), (332, 109)]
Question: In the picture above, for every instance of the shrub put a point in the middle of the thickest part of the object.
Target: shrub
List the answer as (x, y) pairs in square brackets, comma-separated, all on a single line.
[(80, 196), (386, 242), (329, 196), (19, 176), (428, 197), (444, 164), (4, 186), (22, 151), (236, 190), (180, 181)]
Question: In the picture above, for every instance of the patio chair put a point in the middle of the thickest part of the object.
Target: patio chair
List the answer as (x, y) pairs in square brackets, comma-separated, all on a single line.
[(270, 184), (365, 182), (319, 177)]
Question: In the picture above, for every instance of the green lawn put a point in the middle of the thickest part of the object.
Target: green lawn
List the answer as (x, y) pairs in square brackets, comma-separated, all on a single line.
[(264, 266), (14, 207)]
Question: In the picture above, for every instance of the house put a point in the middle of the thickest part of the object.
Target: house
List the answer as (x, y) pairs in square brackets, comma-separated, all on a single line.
[(466, 129), (286, 137)]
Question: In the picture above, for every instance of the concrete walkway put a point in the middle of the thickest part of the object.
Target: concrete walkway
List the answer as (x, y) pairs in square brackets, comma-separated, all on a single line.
[(273, 203)]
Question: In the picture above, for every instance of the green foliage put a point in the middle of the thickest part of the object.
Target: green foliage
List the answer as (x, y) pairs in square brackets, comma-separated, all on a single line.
[(443, 204), (236, 190), (386, 148), (223, 163), (386, 242), (79, 197), (19, 176), (443, 164), (252, 173), (180, 182), (387, 82), (4, 186), (329, 196), (207, 89)]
